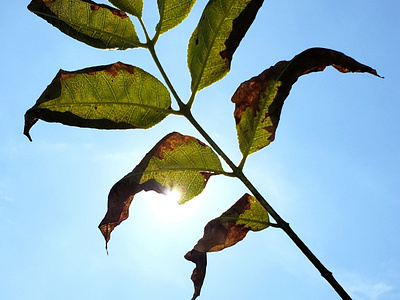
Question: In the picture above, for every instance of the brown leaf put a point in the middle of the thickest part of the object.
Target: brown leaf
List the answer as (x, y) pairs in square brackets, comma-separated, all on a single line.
[(259, 101), (199, 273), (225, 231)]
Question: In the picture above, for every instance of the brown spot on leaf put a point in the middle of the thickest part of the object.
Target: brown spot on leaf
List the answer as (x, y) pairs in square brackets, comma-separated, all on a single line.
[(247, 95), (94, 7), (169, 143), (272, 130), (114, 11), (119, 13)]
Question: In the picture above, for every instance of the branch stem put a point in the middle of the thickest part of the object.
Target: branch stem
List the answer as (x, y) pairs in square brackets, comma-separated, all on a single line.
[(237, 171)]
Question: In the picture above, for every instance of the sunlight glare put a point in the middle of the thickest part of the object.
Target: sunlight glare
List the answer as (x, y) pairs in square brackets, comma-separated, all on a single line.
[(165, 208)]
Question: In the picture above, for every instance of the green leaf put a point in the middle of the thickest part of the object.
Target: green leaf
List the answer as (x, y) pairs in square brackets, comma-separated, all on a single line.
[(259, 100), (172, 13), (178, 162), (97, 25), (227, 230), (116, 96), (215, 39), (134, 7)]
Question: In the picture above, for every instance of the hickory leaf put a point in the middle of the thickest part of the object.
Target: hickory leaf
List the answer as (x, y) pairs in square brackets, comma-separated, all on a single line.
[(259, 101), (225, 231), (117, 96), (97, 25), (221, 28), (177, 162), (133, 7), (172, 13)]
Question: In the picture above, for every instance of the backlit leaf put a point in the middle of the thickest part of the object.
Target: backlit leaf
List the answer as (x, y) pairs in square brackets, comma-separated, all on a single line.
[(259, 100), (178, 162), (97, 25), (215, 39), (172, 13), (231, 227), (116, 96), (133, 7)]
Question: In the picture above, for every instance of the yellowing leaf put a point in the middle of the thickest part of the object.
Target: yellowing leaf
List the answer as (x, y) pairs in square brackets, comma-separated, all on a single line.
[(116, 96), (215, 39), (134, 7), (177, 162), (172, 13), (231, 227), (259, 100), (97, 25)]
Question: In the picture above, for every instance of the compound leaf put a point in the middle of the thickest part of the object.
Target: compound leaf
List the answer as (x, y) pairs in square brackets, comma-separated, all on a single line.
[(117, 96), (172, 13), (259, 101), (222, 26), (225, 231), (178, 162), (133, 7), (97, 25)]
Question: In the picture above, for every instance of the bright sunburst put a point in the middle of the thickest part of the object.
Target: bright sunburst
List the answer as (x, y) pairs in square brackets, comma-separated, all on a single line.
[(166, 209)]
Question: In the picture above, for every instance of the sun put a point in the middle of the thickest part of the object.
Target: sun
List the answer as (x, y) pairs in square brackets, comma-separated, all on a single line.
[(165, 208)]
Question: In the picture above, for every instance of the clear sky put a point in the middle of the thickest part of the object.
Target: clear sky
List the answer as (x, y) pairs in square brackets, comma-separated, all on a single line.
[(332, 172)]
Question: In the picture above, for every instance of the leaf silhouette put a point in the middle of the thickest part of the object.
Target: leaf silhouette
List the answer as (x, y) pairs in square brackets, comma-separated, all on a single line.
[(117, 96), (222, 26), (133, 7), (172, 13), (97, 25), (259, 101), (225, 231), (177, 162)]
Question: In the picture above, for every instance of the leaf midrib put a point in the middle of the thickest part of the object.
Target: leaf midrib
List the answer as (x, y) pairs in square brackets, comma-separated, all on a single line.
[(167, 110)]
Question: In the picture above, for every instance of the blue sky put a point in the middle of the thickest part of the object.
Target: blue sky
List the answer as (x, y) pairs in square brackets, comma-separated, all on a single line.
[(332, 172)]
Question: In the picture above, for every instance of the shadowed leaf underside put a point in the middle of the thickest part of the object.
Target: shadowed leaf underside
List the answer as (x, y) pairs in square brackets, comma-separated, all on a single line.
[(259, 101), (117, 96), (225, 231), (178, 162), (97, 25)]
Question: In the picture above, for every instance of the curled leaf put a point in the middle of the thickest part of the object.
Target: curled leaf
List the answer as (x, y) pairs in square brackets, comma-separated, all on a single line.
[(172, 13), (225, 231), (221, 28), (116, 96), (97, 25), (259, 101), (177, 162)]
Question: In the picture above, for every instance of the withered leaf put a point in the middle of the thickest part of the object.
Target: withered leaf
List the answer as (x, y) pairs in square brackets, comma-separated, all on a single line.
[(259, 101), (177, 162), (225, 231)]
